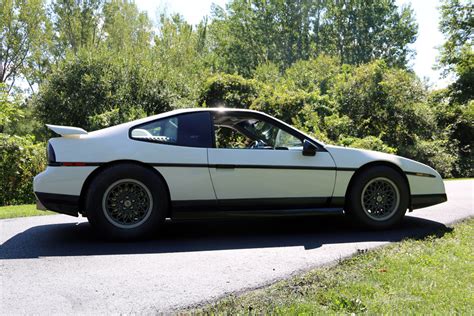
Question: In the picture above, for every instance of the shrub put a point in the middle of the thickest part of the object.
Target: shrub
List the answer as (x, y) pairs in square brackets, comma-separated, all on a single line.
[(231, 91), (369, 142), (437, 154), (21, 159)]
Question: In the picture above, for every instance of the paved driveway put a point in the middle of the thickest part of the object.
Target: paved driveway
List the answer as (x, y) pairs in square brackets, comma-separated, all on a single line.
[(55, 264)]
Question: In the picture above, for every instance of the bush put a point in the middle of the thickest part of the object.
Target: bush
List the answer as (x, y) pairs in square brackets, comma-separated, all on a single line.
[(369, 142), (437, 154), (89, 86), (20, 161), (231, 91)]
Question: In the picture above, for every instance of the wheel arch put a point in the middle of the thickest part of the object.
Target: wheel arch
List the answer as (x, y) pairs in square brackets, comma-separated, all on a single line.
[(372, 164), (101, 168)]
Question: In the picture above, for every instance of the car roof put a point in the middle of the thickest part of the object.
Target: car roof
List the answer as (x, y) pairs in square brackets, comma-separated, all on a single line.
[(127, 125), (191, 110)]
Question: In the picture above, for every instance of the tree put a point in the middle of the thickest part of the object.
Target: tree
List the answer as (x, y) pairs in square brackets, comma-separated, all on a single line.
[(457, 25), (391, 104), (359, 31), (254, 32), (24, 34), (96, 91), (126, 27), (76, 25), (454, 106), (456, 54)]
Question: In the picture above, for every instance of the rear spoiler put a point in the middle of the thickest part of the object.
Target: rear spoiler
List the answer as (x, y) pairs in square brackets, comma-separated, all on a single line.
[(67, 131)]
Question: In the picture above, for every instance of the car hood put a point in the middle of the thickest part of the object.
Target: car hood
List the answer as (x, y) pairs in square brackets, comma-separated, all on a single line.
[(346, 157)]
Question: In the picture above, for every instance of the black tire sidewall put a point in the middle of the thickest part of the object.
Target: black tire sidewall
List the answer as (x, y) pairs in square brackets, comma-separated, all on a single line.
[(354, 203), (110, 175)]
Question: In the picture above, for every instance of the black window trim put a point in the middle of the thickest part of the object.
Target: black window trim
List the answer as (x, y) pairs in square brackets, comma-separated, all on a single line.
[(169, 117), (291, 130)]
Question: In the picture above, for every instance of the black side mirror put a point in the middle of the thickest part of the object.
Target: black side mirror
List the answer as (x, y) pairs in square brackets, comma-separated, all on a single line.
[(309, 149)]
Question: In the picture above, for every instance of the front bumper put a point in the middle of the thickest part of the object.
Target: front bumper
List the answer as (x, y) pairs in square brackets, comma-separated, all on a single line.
[(424, 200), (60, 203)]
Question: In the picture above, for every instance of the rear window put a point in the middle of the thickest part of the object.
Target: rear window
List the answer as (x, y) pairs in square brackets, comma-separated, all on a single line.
[(191, 130)]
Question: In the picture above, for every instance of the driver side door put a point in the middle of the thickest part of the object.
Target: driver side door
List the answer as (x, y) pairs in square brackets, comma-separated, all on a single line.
[(270, 173)]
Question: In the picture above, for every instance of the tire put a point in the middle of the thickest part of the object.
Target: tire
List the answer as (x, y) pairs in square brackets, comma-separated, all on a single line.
[(378, 198), (126, 202)]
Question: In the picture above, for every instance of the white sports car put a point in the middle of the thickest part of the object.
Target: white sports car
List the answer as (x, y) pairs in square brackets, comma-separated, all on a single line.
[(215, 163)]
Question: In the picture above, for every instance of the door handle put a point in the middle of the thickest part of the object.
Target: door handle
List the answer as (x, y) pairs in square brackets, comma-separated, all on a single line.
[(225, 166)]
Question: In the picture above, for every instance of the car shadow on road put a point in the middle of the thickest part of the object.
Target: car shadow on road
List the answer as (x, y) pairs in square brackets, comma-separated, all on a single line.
[(73, 239)]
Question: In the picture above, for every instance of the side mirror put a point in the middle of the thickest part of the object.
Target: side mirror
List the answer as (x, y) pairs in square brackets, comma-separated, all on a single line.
[(309, 149)]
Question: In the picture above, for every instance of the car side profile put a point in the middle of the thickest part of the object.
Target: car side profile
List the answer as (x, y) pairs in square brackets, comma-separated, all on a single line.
[(222, 163)]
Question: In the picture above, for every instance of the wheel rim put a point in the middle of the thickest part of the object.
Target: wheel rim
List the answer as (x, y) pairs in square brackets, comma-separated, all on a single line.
[(127, 203), (380, 199)]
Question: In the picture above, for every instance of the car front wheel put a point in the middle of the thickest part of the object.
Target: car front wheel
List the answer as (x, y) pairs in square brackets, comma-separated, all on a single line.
[(378, 197)]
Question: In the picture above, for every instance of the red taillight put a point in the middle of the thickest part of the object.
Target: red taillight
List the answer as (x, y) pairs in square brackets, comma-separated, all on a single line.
[(74, 164)]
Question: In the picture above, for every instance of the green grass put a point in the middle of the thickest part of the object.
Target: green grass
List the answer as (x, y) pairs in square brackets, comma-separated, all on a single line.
[(434, 275), (12, 211)]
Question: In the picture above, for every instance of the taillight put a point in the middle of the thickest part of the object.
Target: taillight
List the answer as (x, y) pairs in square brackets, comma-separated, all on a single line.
[(51, 156)]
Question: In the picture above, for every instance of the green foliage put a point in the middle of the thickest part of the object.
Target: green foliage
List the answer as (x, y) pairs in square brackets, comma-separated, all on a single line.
[(359, 31), (287, 104), (231, 91), (384, 101), (454, 105), (250, 33), (76, 26), (114, 117), (438, 154), (457, 24), (24, 38), (369, 142), (14, 211), (315, 74), (89, 86), (463, 133), (11, 110), (337, 126), (20, 160)]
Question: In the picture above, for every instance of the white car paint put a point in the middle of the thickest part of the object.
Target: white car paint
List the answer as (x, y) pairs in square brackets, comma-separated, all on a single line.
[(66, 130), (198, 178), (246, 183)]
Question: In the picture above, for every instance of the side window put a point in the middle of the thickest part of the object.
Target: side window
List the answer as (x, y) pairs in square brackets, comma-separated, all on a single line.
[(163, 131), (284, 139), (229, 138), (242, 131), (191, 130)]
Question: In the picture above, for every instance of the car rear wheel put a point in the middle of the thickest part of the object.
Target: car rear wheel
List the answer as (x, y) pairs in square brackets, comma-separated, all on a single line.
[(126, 202), (378, 198)]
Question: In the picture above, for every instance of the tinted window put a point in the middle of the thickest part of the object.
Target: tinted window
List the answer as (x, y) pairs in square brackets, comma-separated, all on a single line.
[(193, 130), (240, 130)]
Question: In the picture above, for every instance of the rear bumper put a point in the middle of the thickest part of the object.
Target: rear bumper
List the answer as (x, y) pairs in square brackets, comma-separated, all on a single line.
[(424, 200), (60, 203)]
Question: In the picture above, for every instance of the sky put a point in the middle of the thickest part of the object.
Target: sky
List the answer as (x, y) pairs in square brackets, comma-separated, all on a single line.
[(426, 13)]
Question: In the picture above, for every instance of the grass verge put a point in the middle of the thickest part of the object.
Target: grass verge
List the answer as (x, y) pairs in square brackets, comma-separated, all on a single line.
[(12, 211), (433, 275)]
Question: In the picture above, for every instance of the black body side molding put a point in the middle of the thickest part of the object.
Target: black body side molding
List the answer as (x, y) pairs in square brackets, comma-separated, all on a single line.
[(60, 203), (425, 200)]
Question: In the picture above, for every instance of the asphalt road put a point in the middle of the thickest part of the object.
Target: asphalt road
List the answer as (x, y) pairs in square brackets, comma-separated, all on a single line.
[(56, 264)]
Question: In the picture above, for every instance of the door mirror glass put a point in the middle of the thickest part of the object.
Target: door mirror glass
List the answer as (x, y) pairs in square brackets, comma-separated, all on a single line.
[(309, 149)]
